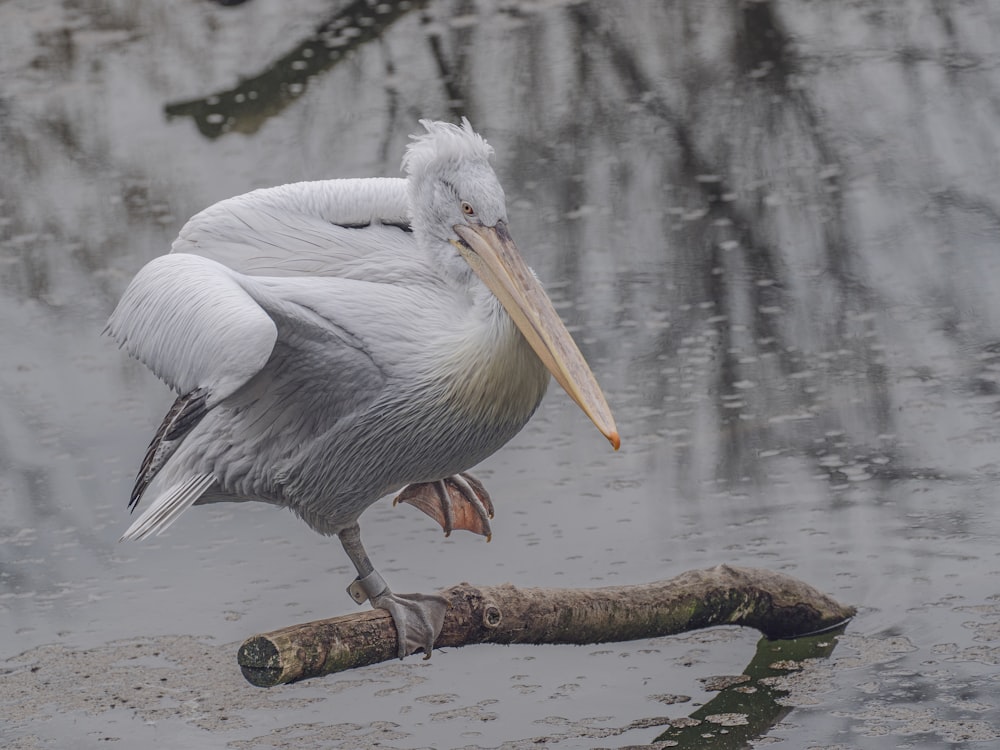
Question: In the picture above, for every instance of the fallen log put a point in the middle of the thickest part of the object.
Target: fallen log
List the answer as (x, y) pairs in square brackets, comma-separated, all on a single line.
[(773, 603)]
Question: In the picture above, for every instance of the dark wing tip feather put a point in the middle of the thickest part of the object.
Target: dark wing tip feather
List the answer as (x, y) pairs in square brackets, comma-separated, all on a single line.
[(186, 412)]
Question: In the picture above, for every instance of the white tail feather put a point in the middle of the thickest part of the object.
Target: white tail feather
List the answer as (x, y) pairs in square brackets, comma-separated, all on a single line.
[(168, 506)]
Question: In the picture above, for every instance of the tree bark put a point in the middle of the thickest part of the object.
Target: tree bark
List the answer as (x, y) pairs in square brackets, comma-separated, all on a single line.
[(775, 604)]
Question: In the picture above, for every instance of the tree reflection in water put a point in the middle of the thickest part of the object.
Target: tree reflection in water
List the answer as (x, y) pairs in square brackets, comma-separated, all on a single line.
[(774, 221)]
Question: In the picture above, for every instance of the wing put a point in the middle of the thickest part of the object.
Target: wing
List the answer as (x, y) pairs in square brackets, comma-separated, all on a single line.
[(271, 346), (322, 228), (187, 411), (189, 321)]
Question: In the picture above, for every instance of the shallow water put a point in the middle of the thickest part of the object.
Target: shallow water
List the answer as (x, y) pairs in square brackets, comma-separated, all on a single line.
[(772, 227)]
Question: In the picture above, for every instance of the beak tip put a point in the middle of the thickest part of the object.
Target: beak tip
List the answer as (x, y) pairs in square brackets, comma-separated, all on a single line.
[(615, 441)]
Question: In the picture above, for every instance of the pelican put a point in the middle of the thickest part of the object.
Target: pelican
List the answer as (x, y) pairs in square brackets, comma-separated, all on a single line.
[(334, 342)]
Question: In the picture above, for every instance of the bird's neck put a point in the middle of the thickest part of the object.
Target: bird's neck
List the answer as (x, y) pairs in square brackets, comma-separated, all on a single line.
[(499, 376)]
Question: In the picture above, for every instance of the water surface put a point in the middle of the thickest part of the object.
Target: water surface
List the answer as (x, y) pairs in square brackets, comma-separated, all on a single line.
[(772, 227)]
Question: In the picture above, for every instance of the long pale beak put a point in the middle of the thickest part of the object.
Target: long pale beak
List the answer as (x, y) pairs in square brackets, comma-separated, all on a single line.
[(496, 260)]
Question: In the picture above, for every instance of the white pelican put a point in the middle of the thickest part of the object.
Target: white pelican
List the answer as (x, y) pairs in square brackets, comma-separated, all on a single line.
[(334, 341)]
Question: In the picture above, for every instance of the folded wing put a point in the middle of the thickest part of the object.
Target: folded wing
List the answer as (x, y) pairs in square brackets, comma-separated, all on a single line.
[(190, 322), (321, 228)]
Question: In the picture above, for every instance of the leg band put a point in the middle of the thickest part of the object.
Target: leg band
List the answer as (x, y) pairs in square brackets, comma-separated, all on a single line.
[(372, 585)]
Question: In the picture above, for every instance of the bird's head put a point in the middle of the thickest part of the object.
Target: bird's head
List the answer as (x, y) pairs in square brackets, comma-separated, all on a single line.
[(451, 181), (456, 198)]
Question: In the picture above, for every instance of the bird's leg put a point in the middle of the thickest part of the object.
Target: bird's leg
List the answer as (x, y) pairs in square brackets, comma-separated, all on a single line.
[(418, 617), (456, 502)]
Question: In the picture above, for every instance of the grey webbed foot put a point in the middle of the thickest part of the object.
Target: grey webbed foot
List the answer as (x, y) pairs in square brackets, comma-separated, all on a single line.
[(418, 619), (456, 502)]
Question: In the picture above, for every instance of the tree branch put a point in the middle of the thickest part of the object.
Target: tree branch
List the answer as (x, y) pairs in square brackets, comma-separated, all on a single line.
[(775, 604)]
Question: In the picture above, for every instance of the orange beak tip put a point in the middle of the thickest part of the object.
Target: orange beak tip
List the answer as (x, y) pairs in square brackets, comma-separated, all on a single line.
[(616, 442)]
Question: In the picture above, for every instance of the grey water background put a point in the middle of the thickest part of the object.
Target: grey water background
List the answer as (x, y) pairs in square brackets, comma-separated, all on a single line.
[(772, 227)]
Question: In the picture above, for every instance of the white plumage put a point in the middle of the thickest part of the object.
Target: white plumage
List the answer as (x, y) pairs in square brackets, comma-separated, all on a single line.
[(334, 341), (307, 228)]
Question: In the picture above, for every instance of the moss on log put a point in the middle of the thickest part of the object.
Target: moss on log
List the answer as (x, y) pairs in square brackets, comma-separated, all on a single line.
[(775, 604)]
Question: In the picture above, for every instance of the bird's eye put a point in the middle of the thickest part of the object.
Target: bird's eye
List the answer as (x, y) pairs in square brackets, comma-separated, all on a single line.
[(467, 209)]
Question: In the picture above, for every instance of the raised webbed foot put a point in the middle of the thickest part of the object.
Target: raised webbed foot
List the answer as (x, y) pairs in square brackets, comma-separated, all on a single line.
[(456, 502), (418, 617)]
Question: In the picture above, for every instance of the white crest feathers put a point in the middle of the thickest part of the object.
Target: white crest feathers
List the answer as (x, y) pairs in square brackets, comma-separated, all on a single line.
[(444, 142)]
